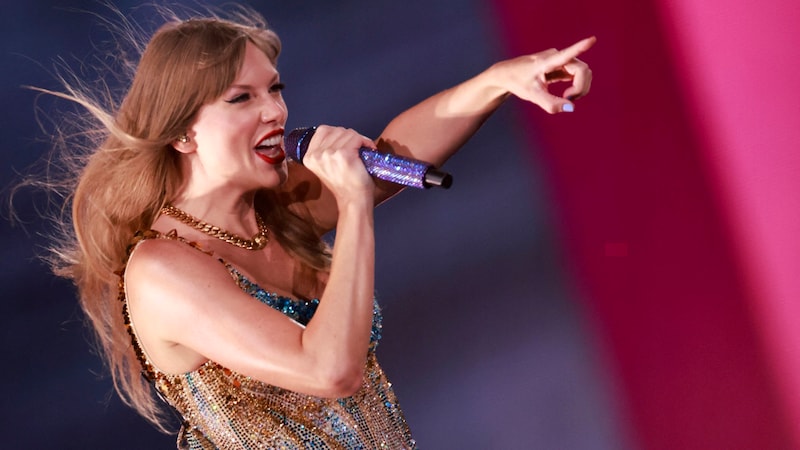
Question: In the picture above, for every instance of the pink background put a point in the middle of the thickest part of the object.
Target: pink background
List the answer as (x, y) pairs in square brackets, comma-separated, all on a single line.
[(677, 187)]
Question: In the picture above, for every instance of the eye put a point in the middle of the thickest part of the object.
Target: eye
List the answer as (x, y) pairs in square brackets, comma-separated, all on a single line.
[(239, 98), (277, 87)]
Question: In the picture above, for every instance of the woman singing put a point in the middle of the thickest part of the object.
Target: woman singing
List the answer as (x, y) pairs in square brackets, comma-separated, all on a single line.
[(197, 246)]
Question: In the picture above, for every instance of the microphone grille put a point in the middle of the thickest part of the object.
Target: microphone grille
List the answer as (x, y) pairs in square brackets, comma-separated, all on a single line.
[(296, 142)]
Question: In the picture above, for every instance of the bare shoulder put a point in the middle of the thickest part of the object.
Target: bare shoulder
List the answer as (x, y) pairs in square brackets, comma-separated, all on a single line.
[(163, 257), (168, 280), (173, 291), (170, 268), (186, 309)]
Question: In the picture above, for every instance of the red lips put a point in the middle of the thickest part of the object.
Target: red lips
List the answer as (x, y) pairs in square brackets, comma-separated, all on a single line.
[(274, 154), (274, 160)]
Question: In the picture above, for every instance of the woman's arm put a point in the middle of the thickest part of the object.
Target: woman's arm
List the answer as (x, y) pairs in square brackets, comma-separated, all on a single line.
[(436, 128), (433, 130), (186, 309)]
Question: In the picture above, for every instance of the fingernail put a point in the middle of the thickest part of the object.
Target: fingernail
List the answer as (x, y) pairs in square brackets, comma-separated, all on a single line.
[(568, 107)]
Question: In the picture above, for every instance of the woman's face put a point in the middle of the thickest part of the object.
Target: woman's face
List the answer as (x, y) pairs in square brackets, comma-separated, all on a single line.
[(237, 140)]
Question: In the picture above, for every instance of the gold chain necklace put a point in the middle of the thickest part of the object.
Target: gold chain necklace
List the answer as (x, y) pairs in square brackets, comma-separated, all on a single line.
[(257, 242)]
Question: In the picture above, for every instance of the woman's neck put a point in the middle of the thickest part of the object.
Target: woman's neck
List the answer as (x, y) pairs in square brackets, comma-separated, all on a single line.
[(233, 212)]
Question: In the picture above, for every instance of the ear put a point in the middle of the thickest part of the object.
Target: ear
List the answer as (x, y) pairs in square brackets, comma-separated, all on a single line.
[(185, 144)]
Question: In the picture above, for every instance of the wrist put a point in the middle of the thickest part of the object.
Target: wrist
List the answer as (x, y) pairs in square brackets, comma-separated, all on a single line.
[(495, 82), (481, 94), (355, 204)]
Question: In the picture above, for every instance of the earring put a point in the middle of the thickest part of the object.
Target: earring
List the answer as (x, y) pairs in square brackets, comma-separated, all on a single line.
[(183, 139)]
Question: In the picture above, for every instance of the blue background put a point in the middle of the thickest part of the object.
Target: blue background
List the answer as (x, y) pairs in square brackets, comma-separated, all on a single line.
[(484, 337)]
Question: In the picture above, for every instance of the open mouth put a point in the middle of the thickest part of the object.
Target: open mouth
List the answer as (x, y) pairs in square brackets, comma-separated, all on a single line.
[(270, 149)]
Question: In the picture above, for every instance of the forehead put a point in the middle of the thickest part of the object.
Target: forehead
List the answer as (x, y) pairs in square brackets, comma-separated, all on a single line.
[(255, 65)]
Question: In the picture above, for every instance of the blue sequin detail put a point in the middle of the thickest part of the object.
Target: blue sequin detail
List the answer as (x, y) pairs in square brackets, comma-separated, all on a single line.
[(300, 310)]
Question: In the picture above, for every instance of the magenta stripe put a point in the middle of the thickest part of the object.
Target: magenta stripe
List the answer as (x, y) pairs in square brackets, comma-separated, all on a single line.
[(649, 243)]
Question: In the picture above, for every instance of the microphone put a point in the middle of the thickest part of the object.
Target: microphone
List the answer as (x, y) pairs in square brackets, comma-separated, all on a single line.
[(385, 166)]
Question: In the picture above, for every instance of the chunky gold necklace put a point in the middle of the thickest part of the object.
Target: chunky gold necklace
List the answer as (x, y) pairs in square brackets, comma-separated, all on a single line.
[(257, 242)]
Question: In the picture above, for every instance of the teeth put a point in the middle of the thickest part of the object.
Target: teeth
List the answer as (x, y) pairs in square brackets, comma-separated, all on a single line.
[(271, 141)]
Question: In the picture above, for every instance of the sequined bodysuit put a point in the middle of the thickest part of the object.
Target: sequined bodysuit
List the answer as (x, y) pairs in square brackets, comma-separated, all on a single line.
[(226, 410)]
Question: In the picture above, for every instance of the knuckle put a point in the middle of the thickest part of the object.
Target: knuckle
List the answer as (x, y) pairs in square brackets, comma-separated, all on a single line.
[(324, 129)]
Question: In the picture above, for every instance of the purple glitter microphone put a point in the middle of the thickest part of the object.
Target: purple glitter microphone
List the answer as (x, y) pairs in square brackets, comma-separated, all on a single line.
[(388, 167)]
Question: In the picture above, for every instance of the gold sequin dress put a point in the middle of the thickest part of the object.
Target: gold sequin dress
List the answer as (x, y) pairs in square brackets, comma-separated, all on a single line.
[(222, 409)]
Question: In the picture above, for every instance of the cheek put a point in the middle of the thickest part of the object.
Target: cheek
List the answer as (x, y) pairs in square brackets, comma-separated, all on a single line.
[(224, 131), (285, 109)]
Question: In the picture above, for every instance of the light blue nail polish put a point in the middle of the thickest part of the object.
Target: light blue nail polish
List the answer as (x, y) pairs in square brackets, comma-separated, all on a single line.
[(568, 107)]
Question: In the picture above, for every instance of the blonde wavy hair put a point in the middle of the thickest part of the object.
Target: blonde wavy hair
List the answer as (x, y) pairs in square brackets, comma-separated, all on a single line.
[(131, 171)]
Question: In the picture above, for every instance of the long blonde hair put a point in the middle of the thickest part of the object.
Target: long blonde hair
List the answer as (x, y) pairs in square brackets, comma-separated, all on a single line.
[(132, 172)]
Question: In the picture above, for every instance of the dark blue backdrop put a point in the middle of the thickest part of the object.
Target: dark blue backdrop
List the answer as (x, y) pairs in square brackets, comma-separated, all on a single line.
[(483, 336)]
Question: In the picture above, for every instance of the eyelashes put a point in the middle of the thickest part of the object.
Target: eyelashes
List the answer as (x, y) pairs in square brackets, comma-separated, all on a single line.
[(275, 88), (239, 98)]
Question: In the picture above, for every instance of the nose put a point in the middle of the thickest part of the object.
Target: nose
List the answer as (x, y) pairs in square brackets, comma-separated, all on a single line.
[(273, 109)]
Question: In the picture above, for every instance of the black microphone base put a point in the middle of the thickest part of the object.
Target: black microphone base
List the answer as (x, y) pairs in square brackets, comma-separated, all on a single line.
[(436, 178)]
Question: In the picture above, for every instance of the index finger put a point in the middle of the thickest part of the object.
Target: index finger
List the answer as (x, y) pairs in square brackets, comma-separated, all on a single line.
[(566, 55)]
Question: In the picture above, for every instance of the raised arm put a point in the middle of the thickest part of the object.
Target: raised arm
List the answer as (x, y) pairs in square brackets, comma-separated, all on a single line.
[(436, 128)]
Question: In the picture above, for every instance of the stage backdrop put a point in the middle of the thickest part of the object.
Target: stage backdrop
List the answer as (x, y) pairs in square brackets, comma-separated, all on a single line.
[(678, 207)]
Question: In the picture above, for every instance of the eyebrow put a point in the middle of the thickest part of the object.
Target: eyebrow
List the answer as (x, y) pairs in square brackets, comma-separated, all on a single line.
[(273, 79)]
